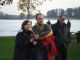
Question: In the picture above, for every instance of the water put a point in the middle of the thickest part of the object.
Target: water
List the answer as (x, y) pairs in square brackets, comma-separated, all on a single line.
[(11, 27)]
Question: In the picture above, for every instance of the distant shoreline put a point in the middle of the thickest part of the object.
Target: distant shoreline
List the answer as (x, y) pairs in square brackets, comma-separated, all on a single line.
[(34, 18)]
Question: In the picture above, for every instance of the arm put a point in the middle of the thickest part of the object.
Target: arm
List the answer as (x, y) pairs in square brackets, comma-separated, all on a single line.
[(46, 31), (53, 29), (50, 33), (19, 41)]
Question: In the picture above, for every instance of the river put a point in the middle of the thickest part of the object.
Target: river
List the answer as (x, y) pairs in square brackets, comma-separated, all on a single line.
[(11, 27)]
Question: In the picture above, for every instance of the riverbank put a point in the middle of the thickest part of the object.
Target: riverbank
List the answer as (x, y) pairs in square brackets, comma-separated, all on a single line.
[(7, 44)]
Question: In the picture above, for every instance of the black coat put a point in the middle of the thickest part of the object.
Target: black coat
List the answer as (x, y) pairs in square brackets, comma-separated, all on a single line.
[(61, 33), (23, 46)]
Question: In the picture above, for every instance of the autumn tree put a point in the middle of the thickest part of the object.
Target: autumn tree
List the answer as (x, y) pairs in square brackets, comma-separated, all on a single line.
[(29, 5), (5, 2), (25, 5)]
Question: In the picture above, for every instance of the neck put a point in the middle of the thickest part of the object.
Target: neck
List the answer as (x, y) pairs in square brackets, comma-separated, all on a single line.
[(40, 24)]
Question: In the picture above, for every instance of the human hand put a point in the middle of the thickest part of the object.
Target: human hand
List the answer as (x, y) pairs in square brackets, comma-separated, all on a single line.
[(34, 42), (42, 33), (41, 38), (31, 40), (36, 37)]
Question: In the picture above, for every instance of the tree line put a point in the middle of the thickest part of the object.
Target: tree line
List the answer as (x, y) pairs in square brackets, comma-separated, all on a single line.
[(72, 13)]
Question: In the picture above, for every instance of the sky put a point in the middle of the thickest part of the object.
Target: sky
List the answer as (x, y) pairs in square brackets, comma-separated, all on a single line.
[(47, 5)]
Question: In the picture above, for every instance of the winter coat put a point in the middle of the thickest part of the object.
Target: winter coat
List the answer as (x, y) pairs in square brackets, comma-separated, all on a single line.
[(23, 46), (60, 33)]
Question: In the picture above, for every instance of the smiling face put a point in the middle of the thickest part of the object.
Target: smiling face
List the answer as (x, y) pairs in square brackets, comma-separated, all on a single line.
[(28, 26)]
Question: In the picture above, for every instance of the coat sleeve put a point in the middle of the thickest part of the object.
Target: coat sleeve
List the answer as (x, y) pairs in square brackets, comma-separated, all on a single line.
[(19, 42), (53, 29)]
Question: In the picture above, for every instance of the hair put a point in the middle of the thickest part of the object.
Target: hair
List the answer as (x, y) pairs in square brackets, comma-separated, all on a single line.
[(24, 23), (37, 15), (60, 16)]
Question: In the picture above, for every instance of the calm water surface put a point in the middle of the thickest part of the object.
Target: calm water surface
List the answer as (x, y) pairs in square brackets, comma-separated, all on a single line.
[(11, 27)]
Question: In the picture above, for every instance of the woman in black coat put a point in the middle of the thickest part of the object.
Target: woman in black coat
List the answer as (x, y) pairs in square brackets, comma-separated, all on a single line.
[(24, 42)]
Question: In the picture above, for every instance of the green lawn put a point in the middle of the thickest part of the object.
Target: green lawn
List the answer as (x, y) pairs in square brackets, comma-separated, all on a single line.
[(7, 47)]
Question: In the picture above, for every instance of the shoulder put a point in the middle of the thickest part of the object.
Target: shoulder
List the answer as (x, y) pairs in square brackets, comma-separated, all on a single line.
[(34, 26), (46, 25), (54, 25), (19, 34), (65, 24)]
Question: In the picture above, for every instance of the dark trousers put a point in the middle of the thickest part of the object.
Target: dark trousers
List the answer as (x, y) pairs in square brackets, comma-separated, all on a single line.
[(62, 53), (40, 54)]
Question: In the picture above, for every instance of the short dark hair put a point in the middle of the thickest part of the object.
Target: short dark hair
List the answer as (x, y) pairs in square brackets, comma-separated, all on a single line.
[(60, 16), (37, 15)]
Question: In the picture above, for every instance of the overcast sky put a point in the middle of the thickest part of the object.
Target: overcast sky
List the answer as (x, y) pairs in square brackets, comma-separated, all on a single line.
[(64, 4)]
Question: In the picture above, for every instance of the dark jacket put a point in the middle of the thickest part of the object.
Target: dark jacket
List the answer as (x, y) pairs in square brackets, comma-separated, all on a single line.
[(23, 46), (61, 33)]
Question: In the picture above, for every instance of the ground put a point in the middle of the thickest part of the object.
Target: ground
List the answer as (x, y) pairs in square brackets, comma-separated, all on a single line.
[(7, 47)]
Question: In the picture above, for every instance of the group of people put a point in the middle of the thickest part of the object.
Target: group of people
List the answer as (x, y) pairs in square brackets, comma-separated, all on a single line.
[(42, 42)]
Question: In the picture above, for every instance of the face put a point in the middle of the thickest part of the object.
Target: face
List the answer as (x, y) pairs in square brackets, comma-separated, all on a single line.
[(40, 19), (62, 19), (28, 26)]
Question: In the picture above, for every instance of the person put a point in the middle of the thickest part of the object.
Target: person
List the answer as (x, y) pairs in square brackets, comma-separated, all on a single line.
[(60, 31), (24, 42), (69, 26), (49, 23), (42, 31)]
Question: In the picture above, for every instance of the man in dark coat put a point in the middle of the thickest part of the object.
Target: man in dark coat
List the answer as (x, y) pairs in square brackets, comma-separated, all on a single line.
[(60, 31)]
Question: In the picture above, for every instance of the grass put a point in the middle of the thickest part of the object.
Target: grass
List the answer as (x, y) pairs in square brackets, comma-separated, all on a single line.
[(7, 47), (74, 52)]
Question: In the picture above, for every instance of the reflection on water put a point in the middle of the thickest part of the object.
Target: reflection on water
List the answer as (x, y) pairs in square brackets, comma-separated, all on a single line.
[(11, 27)]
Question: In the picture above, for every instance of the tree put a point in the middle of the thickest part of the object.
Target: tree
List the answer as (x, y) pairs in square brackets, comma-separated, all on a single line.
[(29, 5), (5, 2), (52, 13), (1, 15), (61, 11), (25, 5), (22, 15), (77, 12), (69, 12)]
